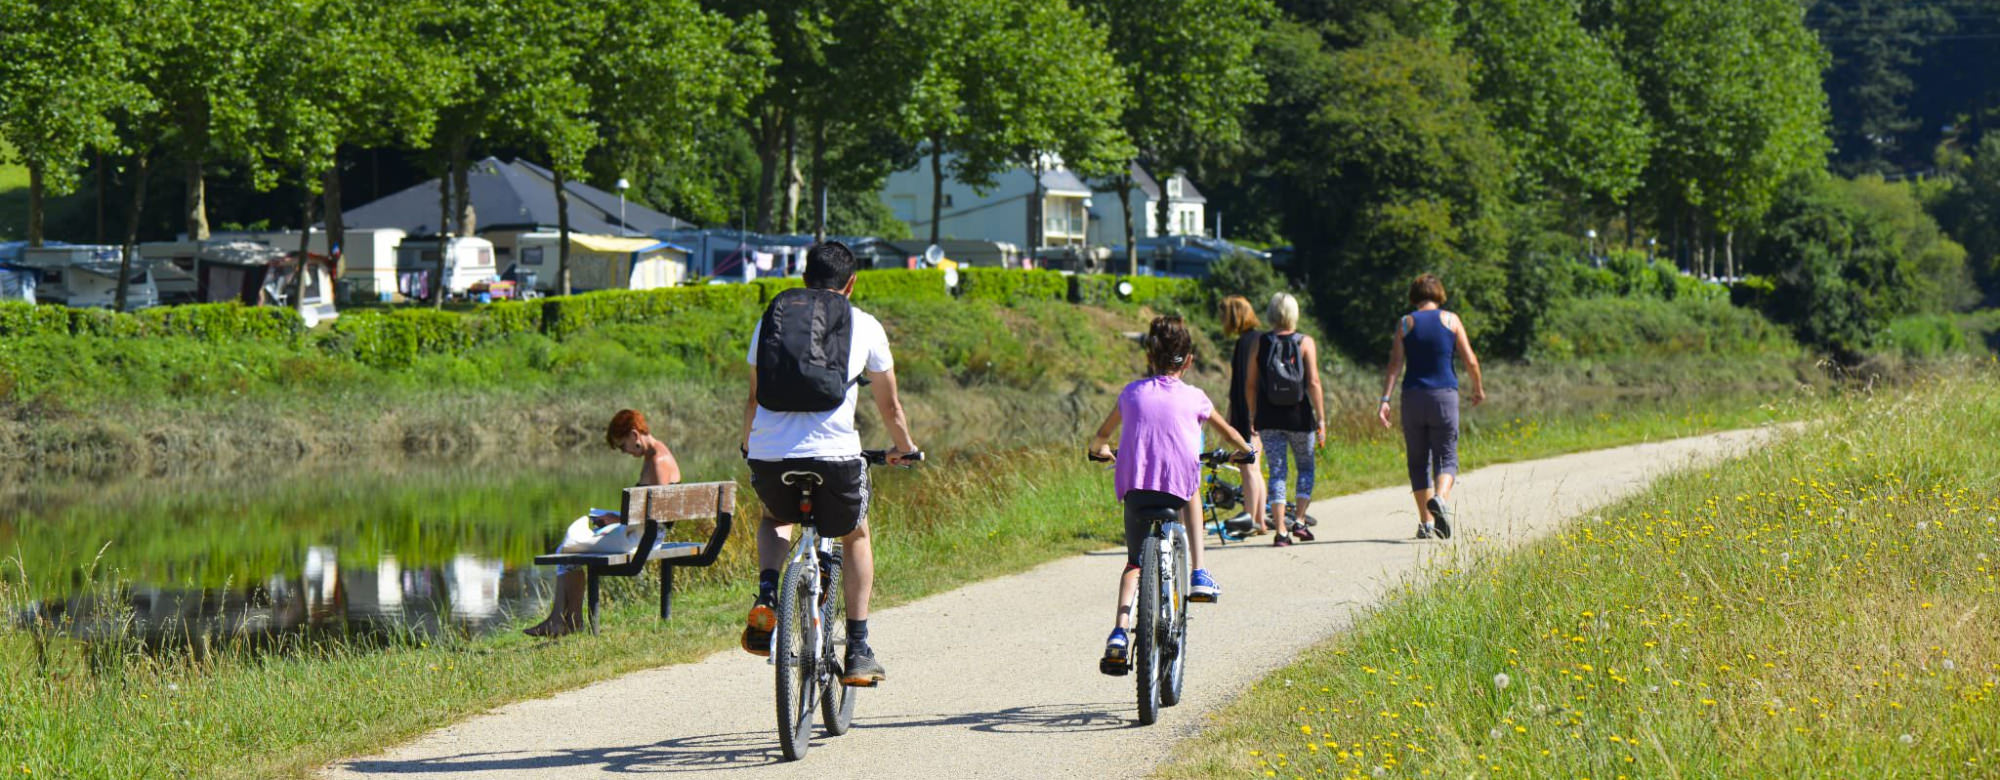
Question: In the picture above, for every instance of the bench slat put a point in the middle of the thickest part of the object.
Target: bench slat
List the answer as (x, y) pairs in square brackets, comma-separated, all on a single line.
[(602, 559), (673, 503)]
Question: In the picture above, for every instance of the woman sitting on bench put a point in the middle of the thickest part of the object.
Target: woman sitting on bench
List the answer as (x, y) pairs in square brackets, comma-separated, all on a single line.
[(628, 434)]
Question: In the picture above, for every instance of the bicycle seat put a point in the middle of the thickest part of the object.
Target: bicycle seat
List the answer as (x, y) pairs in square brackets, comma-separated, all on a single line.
[(802, 479), (1159, 514)]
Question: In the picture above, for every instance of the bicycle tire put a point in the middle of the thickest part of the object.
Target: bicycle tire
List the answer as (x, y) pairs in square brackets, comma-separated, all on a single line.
[(836, 701), (796, 662), (1176, 619), (1146, 632)]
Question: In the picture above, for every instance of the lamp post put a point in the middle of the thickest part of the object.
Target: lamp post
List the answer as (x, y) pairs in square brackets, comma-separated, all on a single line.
[(1590, 246), (622, 186)]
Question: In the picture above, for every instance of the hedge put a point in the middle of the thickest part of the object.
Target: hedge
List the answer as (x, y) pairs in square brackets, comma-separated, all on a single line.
[(769, 288), (26, 319), (1011, 287), (224, 322), (564, 316), (920, 285)]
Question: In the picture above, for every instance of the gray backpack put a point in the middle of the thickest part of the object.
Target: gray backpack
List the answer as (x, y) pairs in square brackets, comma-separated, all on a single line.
[(1284, 369)]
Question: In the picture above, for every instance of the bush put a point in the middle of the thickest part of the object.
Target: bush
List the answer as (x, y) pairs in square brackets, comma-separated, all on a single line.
[(769, 288), (1252, 278), (225, 322), (21, 320), (566, 315), (394, 339), (1589, 328), (1924, 336), (900, 285), (1092, 289), (1163, 292), (104, 322), (1012, 287)]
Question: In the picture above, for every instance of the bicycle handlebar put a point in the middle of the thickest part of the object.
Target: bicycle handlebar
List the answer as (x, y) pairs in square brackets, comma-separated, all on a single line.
[(1210, 458), (881, 457)]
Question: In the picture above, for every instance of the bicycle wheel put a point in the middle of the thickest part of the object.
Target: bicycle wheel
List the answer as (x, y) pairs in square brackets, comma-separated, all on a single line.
[(1174, 620), (797, 660), (836, 701), (1146, 632)]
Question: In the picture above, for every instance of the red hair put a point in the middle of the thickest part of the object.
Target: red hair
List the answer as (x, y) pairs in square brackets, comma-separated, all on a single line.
[(625, 423)]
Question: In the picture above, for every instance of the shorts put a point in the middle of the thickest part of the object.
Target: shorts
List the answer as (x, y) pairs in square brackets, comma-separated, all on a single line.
[(840, 502), (1137, 524)]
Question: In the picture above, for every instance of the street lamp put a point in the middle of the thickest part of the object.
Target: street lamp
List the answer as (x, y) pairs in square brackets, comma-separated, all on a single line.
[(623, 185), (1590, 245)]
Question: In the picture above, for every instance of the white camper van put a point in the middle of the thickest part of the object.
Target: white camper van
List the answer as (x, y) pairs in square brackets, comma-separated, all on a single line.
[(469, 262), (87, 277)]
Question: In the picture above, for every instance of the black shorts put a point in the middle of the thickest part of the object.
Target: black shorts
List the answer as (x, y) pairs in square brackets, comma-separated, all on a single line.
[(1139, 505), (840, 502)]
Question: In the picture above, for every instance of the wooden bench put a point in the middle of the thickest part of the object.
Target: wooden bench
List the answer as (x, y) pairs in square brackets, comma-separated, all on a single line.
[(659, 507)]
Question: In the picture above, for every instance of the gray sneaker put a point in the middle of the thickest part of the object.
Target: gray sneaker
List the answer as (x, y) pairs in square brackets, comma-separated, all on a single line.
[(862, 670), (1441, 515)]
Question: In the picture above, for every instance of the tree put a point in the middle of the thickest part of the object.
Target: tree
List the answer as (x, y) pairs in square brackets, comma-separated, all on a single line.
[(1874, 45), (1558, 95), (1970, 211), (1733, 91), (1189, 67), (63, 71)]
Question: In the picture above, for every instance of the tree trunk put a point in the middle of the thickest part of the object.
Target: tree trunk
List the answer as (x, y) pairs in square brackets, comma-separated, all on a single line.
[(140, 169), (1729, 253), (1163, 210), (1131, 233), (770, 139), (443, 232), (35, 187), (562, 229), (819, 179), (305, 252), (98, 155), (1628, 224), (937, 186), (794, 179), (461, 185), (336, 227), (197, 200)]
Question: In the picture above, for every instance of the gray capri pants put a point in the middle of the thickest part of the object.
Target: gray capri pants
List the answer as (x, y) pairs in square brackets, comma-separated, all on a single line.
[(1430, 431)]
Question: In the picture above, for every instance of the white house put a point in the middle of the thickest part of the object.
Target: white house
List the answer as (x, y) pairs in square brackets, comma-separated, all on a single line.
[(1000, 214), (1186, 216)]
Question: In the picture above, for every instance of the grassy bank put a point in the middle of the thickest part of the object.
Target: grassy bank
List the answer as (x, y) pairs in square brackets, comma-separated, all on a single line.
[(106, 709), (1821, 608)]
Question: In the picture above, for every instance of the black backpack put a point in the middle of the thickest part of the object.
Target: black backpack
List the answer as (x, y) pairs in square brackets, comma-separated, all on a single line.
[(802, 351), (1284, 370)]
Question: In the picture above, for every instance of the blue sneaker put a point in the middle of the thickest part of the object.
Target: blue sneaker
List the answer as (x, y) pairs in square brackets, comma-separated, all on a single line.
[(1117, 660), (1204, 589)]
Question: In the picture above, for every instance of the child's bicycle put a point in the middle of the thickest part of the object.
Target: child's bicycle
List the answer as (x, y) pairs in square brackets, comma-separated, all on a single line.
[(1159, 622), (811, 629), (1219, 496)]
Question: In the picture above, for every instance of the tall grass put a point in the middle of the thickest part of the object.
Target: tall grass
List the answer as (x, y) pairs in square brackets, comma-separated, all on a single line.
[(1819, 608)]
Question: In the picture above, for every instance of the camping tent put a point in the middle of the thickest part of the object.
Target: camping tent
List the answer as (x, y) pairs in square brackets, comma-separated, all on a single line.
[(602, 262)]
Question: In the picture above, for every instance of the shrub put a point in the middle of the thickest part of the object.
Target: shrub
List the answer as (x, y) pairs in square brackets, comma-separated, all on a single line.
[(225, 322), (21, 320), (1627, 327), (1093, 289), (769, 288), (1159, 291), (566, 315), (1923, 336), (1012, 287), (901, 285), (394, 339), (104, 322)]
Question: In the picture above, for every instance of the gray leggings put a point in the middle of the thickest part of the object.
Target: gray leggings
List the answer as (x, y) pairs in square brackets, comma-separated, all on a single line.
[(1430, 431), (1300, 443)]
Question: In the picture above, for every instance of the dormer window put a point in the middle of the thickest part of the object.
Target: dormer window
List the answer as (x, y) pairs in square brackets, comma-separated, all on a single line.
[(1174, 187)]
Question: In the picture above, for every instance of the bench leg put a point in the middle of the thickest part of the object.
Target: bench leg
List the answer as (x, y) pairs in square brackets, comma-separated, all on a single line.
[(666, 591), (591, 590)]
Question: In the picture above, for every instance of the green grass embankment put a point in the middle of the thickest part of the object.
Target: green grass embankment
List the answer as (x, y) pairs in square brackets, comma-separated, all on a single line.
[(1819, 608)]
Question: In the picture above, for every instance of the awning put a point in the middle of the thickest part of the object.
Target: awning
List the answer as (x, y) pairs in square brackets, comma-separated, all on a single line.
[(617, 245)]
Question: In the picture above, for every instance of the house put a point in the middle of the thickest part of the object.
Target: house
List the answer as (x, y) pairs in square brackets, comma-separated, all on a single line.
[(600, 262), (510, 199), (1186, 208), (1001, 213)]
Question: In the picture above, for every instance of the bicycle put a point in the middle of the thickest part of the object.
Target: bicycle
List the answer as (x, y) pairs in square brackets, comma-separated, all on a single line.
[(811, 628), (1219, 495), (1159, 622)]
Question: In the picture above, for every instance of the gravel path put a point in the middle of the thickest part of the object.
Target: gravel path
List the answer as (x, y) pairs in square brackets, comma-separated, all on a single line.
[(999, 678)]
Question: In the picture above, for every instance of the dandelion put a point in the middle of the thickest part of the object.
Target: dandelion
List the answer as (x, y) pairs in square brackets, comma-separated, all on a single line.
[(1379, 770), (1948, 665), (1905, 739), (1496, 733), (1924, 526), (1501, 681)]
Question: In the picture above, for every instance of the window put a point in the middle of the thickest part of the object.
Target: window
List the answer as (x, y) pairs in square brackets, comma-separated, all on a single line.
[(947, 200), (1174, 187), (905, 207), (531, 255)]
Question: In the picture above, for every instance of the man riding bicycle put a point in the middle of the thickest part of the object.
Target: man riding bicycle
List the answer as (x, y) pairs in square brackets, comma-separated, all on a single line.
[(810, 352)]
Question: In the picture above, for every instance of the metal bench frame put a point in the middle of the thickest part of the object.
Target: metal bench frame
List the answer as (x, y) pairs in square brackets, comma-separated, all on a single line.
[(659, 507)]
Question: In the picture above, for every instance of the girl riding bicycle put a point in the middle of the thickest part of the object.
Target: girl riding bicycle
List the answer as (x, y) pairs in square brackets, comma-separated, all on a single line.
[(1159, 467)]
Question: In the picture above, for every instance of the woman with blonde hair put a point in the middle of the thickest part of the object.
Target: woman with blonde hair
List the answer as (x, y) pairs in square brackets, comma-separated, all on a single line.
[(1426, 341), (1288, 410), (1239, 321)]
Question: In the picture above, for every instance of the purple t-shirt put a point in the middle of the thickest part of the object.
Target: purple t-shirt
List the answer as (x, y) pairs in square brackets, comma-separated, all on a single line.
[(1160, 446)]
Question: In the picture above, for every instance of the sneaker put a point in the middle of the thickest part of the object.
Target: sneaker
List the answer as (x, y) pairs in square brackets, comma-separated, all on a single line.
[(861, 669), (1204, 590), (1441, 517), (757, 634), (1300, 531), (1424, 531), (1117, 660), (1281, 541)]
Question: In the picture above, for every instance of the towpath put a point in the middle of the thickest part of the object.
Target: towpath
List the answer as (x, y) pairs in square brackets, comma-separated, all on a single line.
[(999, 679)]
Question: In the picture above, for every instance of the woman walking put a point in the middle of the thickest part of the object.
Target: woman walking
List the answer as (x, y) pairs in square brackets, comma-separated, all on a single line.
[(1288, 411), (1426, 340), (1239, 321)]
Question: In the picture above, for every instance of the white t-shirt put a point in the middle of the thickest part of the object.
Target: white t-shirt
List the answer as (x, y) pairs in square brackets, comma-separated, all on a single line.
[(780, 435)]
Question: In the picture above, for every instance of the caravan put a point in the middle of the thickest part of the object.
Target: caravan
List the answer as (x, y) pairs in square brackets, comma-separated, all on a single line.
[(471, 262), (599, 262), (87, 277)]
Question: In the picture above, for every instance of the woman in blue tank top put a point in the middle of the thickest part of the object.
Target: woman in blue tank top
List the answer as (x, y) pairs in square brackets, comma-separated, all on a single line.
[(1426, 341)]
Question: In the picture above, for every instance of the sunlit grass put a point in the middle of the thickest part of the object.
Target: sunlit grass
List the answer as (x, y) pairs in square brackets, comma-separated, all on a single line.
[(1819, 608)]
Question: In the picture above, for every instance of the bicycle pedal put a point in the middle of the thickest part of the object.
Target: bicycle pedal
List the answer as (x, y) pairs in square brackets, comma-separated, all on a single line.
[(1118, 668), (860, 683)]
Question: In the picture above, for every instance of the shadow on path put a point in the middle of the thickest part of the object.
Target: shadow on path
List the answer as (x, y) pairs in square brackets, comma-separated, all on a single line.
[(744, 750)]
